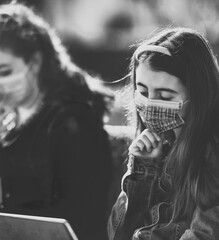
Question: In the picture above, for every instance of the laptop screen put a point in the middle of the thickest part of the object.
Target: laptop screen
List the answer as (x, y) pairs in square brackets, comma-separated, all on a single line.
[(25, 227)]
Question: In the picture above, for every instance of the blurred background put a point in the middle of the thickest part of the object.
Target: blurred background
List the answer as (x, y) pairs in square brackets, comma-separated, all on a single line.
[(98, 33)]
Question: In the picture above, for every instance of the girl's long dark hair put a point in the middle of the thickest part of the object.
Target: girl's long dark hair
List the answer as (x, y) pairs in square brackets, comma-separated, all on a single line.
[(25, 33), (194, 176)]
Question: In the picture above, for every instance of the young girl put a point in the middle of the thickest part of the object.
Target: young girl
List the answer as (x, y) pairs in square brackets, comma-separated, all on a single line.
[(54, 153), (171, 188)]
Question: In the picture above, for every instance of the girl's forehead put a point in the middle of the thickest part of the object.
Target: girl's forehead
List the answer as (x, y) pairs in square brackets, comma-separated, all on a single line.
[(156, 79)]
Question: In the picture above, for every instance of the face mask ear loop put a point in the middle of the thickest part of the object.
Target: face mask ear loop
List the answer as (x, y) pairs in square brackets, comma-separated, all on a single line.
[(184, 103)]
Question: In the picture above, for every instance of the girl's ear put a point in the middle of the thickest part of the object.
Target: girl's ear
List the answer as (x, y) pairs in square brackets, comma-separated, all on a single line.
[(35, 62)]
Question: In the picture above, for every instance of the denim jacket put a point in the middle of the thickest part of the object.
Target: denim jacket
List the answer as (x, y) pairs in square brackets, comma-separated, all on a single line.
[(143, 209)]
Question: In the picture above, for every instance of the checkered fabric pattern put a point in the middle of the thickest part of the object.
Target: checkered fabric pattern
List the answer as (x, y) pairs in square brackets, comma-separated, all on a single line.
[(160, 119), (158, 115)]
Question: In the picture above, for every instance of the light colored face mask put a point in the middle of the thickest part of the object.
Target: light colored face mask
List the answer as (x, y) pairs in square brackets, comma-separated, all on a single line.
[(14, 85), (158, 115)]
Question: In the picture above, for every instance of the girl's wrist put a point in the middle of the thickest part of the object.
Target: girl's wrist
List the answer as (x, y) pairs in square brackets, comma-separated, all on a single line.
[(141, 165)]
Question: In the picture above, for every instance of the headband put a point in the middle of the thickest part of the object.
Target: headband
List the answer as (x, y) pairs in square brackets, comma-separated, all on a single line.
[(153, 48)]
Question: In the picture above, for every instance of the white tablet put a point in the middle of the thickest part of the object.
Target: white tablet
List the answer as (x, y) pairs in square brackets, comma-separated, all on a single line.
[(25, 227)]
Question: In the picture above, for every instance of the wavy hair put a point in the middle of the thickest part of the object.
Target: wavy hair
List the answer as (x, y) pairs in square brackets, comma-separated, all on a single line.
[(25, 33), (193, 62)]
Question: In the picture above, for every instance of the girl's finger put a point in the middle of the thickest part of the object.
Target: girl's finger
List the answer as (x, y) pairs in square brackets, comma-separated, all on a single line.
[(140, 144), (149, 137), (158, 137), (147, 142), (134, 149)]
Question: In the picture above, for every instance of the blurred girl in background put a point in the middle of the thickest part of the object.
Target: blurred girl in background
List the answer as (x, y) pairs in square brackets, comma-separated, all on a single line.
[(54, 154)]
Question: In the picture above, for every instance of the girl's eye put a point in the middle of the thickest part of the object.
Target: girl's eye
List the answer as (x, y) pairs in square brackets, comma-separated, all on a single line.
[(144, 93), (165, 98), (6, 72)]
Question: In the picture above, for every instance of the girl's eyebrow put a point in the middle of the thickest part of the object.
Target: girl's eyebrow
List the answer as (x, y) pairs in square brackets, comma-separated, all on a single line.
[(141, 84), (158, 89)]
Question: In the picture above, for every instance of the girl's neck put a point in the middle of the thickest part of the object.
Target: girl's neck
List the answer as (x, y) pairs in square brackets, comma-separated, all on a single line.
[(27, 111)]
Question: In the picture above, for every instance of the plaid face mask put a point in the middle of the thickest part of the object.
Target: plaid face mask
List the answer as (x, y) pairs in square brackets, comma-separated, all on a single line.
[(158, 115)]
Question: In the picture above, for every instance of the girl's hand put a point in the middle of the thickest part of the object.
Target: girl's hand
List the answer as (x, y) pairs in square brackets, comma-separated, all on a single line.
[(147, 145)]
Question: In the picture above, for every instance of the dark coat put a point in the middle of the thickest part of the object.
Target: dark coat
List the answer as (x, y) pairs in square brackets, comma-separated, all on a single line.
[(60, 166)]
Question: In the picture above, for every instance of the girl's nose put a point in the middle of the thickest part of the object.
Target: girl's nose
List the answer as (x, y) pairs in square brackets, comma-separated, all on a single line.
[(152, 95)]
